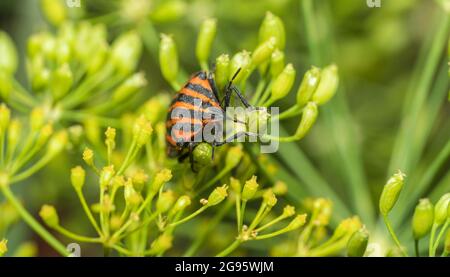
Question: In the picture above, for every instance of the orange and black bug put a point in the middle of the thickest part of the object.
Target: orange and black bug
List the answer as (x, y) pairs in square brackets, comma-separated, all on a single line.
[(192, 108)]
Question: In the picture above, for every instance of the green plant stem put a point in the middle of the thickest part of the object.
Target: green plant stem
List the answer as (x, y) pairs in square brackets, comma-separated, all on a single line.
[(330, 249), (219, 176), (416, 247), (272, 222), (242, 214), (77, 237), (291, 112), (122, 250), (210, 227), (229, 249), (128, 157), (238, 212), (440, 235), (81, 116), (34, 168), (189, 217), (431, 252), (36, 226), (393, 235), (418, 93), (88, 212), (258, 217)]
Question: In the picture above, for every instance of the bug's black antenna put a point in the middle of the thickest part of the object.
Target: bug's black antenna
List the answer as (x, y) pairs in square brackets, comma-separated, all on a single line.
[(234, 77)]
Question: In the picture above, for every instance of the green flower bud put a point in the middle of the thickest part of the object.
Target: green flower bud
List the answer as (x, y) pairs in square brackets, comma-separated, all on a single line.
[(283, 83), (49, 216), (168, 11), (132, 198), (62, 80), (440, 210), (88, 156), (276, 63), (110, 135), (129, 87), (39, 74), (162, 243), (235, 185), (77, 177), (58, 142), (14, 131), (202, 154), (447, 242), (222, 70), (44, 134), (269, 198), (76, 134), (8, 54), (161, 178), (297, 222), (96, 63), (309, 116), (234, 155), (308, 86), (142, 130), (37, 118), (263, 52), (205, 40), (156, 108), (357, 244), (5, 117), (327, 86), (391, 192), (54, 11), (139, 179), (3, 247), (280, 188), (106, 175), (422, 220), (272, 26), (165, 201), (288, 211), (126, 51), (347, 227), (63, 51), (6, 85), (240, 60), (217, 195), (182, 203), (250, 189), (168, 58), (4, 179)]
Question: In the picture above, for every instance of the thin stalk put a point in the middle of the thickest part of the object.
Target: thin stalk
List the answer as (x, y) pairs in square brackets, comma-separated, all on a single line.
[(393, 235), (77, 237), (36, 226), (229, 249), (88, 212), (189, 217)]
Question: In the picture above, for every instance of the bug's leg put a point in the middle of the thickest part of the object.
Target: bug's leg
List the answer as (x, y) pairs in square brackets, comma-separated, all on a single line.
[(213, 85), (191, 157), (212, 153), (241, 97), (183, 157)]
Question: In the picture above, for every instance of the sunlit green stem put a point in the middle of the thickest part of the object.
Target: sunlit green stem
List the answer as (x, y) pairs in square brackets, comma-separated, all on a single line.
[(44, 234), (393, 235)]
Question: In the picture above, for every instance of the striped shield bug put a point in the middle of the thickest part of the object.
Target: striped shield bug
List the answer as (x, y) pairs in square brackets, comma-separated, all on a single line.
[(195, 107)]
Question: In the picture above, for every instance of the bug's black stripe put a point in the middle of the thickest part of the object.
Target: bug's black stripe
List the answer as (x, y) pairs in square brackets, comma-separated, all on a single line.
[(202, 75), (202, 90), (193, 100)]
